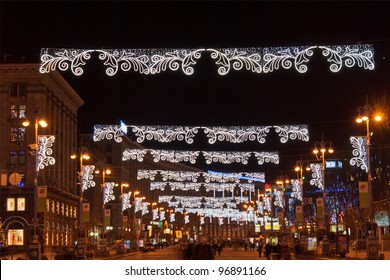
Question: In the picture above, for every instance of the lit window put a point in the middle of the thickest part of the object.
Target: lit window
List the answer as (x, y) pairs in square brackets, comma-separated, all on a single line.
[(15, 237), (17, 134), (21, 203), (17, 111), (11, 204)]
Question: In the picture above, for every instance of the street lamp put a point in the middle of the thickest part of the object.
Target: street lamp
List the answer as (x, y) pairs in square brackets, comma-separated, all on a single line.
[(281, 181), (323, 147), (83, 155), (105, 172), (365, 113), (39, 121), (299, 166)]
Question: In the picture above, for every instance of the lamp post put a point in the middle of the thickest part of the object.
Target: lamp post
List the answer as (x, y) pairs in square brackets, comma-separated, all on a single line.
[(299, 166), (83, 155), (105, 172), (34, 147), (323, 147), (134, 218), (281, 181), (365, 113)]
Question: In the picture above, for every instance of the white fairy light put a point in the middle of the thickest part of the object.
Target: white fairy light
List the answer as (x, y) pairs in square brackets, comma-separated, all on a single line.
[(316, 175), (87, 177), (359, 145), (45, 150), (108, 192), (165, 133), (107, 132), (155, 214), (172, 217), (134, 154), (162, 215), (267, 157), (279, 201), (236, 134), (300, 132), (296, 189), (126, 204)]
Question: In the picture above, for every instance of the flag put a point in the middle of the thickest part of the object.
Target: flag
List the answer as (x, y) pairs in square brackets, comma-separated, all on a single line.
[(42, 195), (363, 194), (320, 207), (299, 213), (107, 217), (86, 211)]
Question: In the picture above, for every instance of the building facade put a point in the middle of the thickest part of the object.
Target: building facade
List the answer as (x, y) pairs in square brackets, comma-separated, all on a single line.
[(26, 94)]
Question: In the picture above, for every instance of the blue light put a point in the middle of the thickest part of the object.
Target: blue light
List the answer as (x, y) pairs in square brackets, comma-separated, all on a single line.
[(123, 127)]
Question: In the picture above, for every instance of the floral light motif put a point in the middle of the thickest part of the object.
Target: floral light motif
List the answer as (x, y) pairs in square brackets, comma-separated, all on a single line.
[(155, 214), (126, 204), (316, 175), (236, 134), (165, 133), (108, 132), (279, 201), (87, 177), (227, 157), (134, 154), (174, 156), (257, 60), (349, 55), (267, 157), (108, 192), (359, 145), (45, 144), (300, 132), (296, 189), (172, 217)]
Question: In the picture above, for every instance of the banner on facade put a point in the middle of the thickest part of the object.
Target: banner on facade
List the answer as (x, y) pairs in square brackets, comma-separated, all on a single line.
[(320, 207), (86, 211), (363, 194), (107, 217), (41, 197), (299, 213)]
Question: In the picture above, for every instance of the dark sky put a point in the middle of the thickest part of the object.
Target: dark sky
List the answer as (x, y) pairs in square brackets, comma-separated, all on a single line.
[(326, 101)]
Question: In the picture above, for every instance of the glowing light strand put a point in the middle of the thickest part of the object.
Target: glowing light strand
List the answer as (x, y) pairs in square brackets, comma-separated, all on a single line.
[(296, 189), (236, 134), (165, 133), (87, 177), (108, 192), (359, 152), (267, 157), (300, 132), (108, 132), (316, 175), (126, 204)]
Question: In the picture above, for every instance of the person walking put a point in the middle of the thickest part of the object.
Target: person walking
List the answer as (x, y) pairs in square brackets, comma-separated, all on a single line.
[(203, 250), (219, 248)]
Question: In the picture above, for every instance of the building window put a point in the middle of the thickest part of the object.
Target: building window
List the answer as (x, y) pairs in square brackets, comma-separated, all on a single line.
[(17, 157), (21, 204), (11, 204), (18, 111), (15, 237), (19, 90), (17, 134)]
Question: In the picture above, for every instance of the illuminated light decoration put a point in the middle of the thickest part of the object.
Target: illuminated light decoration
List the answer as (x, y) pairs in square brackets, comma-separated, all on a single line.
[(279, 199), (174, 156), (144, 208), (45, 145), (155, 214), (220, 187), (316, 175), (51, 59), (236, 134), (184, 186), (267, 204), (201, 220), (126, 204), (180, 175), (172, 217), (108, 194), (296, 189), (227, 157), (137, 204), (162, 215), (300, 132), (165, 133), (359, 145), (87, 177), (186, 219), (158, 186), (267, 157), (260, 207), (134, 154), (220, 221), (147, 174), (221, 177), (254, 177), (197, 201), (349, 55), (102, 132)]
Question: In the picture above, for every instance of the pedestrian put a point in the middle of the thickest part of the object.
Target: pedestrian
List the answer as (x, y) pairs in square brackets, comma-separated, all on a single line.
[(219, 248), (260, 249), (203, 250)]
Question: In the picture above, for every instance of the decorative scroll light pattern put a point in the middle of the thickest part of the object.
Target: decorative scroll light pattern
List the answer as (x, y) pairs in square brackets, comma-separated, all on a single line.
[(108, 192), (155, 214), (134, 154), (349, 55), (197, 201), (174, 156), (359, 145), (137, 204), (108, 132), (186, 219), (45, 144), (300, 132), (126, 204), (279, 201), (227, 157), (220, 187), (158, 186), (267, 157), (147, 174), (257, 60), (296, 189), (260, 207), (254, 177), (316, 175), (87, 177), (267, 204), (172, 217), (180, 175), (165, 133), (162, 215), (236, 134), (144, 208)]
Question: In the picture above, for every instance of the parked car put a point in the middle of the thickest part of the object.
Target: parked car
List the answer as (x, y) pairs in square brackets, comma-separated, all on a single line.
[(149, 246)]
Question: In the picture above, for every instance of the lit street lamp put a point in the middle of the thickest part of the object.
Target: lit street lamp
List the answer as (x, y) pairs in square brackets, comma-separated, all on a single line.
[(282, 181), (365, 113), (323, 147), (34, 147), (299, 166)]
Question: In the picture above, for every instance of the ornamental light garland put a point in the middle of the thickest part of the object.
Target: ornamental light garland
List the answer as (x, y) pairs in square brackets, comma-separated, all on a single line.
[(359, 144)]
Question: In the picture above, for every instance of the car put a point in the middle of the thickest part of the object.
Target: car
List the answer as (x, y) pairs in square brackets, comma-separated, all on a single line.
[(149, 246)]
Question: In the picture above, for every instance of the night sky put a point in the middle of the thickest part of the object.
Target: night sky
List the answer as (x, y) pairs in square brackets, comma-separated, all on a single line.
[(325, 101)]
